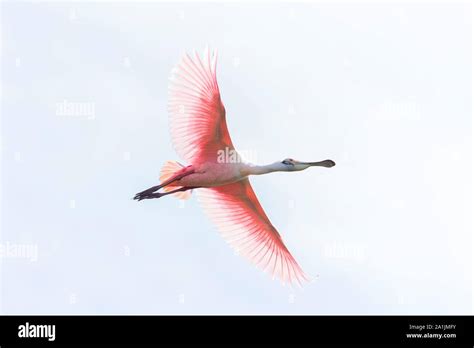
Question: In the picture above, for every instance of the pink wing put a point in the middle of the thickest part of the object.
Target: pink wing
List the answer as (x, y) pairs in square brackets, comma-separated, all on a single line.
[(240, 218), (197, 115)]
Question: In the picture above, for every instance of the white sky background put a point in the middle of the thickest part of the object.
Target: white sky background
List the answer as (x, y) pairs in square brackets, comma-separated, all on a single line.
[(384, 90)]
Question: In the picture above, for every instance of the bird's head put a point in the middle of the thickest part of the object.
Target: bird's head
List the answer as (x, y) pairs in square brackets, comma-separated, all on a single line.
[(292, 165)]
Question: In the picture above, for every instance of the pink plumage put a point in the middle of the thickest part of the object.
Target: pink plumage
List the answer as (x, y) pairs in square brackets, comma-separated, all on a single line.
[(239, 217), (197, 115), (199, 133)]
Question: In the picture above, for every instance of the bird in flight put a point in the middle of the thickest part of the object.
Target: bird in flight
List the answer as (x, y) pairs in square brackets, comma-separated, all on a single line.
[(199, 135)]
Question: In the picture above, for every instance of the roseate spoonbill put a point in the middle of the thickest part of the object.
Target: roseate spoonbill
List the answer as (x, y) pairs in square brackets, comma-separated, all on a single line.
[(199, 132)]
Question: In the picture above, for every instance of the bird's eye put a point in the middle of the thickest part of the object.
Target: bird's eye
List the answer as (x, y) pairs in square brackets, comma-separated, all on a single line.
[(287, 162)]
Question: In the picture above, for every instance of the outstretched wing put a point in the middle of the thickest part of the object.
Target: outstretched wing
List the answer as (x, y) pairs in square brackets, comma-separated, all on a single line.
[(241, 220), (197, 115)]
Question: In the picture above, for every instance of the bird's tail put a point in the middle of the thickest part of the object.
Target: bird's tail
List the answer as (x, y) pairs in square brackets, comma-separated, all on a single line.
[(170, 169)]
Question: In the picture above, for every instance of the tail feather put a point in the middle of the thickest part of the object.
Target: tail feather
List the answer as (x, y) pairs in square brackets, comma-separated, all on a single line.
[(170, 169)]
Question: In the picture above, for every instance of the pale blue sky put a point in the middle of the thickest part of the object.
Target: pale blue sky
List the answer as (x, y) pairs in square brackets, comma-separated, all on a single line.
[(384, 90)]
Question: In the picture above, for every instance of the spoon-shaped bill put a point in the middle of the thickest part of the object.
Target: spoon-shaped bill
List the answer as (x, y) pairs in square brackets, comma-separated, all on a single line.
[(325, 163)]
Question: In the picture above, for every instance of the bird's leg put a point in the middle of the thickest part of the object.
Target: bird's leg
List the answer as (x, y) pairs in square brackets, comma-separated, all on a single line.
[(159, 195), (186, 171)]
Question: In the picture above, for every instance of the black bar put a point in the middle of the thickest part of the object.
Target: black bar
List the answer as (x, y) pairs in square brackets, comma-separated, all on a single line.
[(313, 330)]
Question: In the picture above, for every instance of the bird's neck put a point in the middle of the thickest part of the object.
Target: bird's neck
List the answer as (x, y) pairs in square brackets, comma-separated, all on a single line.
[(254, 169)]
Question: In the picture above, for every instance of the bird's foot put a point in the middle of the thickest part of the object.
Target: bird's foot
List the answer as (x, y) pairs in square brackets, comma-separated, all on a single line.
[(145, 195)]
